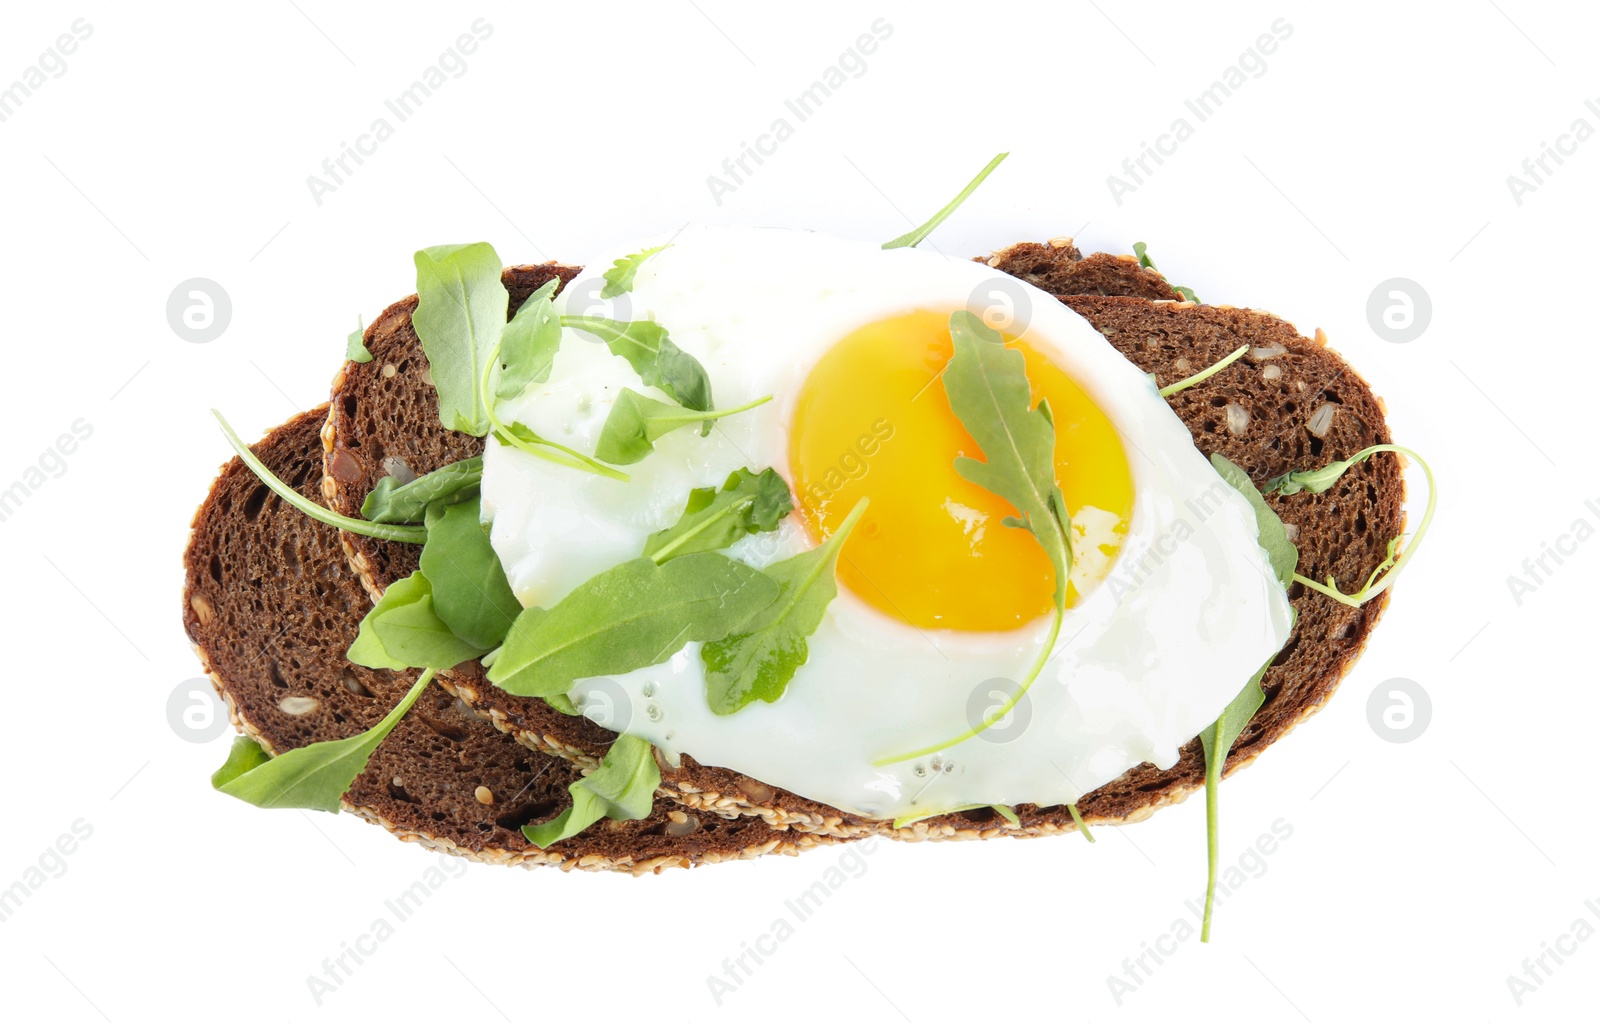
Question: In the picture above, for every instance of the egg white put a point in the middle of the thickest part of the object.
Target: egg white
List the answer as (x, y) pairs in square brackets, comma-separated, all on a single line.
[(1145, 661)]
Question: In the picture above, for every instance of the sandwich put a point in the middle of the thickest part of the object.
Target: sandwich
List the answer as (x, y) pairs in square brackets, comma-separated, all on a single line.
[(746, 541)]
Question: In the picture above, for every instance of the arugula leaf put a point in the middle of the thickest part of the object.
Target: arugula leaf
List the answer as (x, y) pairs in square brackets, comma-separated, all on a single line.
[(312, 777), (460, 316), (713, 519), (470, 592), (619, 278), (1274, 539), (355, 348), (635, 423), (310, 508), (1318, 480), (636, 614), (987, 384), (652, 354), (914, 236), (623, 788), (1221, 736), (988, 389), (244, 755), (563, 703), (528, 345), (393, 501), (404, 631), (519, 436), (759, 661), (1140, 250)]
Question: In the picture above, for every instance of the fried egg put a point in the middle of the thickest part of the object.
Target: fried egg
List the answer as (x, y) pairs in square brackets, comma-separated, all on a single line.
[(942, 608)]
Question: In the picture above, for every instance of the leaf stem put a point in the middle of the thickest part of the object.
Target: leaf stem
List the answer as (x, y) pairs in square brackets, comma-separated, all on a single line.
[(993, 716), (503, 433), (1077, 818), (310, 508), (689, 534), (719, 413), (1213, 781), (1391, 565), (911, 238), (1205, 374)]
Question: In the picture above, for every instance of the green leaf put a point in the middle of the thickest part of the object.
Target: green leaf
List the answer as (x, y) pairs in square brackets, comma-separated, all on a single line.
[(312, 777), (460, 316), (354, 348), (652, 354), (1274, 539), (528, 345), (619, 278), (244, 755), (310, 508), (623, 788), (470, 592), (635, 423), (404, 631), (393, 501), (636, 614), (519, 436), (1141, 250), (987, 384), (1318, 480), (1221, 736), (759, 661), (563, 703), (913, 237), (713, 519)]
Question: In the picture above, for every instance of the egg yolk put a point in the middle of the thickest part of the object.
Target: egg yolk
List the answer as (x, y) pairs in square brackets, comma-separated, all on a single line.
[(873, 421)]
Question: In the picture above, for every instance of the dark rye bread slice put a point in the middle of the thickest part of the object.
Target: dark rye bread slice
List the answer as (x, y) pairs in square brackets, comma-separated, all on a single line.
[(1344, 531), (271, 606), (1059, 268)]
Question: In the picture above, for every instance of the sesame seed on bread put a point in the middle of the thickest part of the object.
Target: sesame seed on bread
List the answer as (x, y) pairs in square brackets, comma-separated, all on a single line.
[(1290, 404)]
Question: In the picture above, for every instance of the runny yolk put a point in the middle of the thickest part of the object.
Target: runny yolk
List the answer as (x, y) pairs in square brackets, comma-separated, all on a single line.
[(873, 421)]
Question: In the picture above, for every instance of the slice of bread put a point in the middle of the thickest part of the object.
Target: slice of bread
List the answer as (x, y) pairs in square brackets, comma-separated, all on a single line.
[(1266, 413), (271, 606), (1059, 268)]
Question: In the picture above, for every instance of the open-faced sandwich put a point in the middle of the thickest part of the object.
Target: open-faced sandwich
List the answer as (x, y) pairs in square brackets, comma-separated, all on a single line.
[(750, 540)]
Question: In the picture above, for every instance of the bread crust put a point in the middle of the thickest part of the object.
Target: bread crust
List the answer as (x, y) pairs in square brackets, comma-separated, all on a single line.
[(1280, 384)]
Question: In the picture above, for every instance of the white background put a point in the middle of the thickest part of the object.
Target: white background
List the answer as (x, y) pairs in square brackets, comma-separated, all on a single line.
[(1376, 144)]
